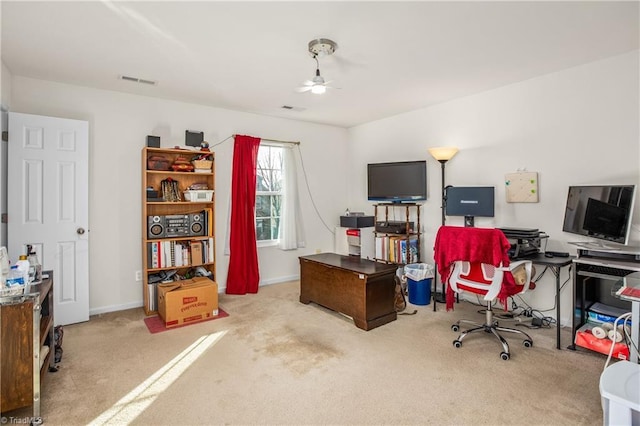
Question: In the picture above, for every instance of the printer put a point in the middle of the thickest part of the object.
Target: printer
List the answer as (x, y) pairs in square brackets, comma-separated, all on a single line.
[(525, 242)]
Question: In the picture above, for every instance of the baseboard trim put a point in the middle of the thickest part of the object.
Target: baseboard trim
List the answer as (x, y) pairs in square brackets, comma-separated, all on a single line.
[(279, 280), (132, 305), (115, 308)]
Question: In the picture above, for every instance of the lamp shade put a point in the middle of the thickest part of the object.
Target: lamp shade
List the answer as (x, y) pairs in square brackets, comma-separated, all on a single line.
[(443, 153)]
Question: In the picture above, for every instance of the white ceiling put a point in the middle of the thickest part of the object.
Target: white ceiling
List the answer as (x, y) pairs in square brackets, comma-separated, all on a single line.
[(392, 57)]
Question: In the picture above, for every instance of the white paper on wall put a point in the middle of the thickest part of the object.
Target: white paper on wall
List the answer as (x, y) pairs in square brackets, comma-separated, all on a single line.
[(521, 187)]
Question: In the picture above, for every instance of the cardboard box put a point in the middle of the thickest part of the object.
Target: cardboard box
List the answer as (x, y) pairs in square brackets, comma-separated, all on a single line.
[(187, 301)]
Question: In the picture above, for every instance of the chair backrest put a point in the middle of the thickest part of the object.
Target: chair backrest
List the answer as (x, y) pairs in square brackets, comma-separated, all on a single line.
[(476, 277), (488, 280)]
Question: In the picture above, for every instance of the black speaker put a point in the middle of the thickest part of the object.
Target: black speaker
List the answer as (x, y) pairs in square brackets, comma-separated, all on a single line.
[(155, 227), (193, 138), (153, 141), (196, 224)]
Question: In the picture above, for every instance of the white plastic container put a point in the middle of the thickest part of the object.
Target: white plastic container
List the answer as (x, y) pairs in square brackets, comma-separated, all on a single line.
[(198, 195), (35, 268)]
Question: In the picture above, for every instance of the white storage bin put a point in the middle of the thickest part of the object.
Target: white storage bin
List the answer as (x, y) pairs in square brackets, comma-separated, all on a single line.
[(199, 195)]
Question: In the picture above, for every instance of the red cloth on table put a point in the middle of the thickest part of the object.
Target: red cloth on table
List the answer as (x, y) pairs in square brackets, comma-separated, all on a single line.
[(485, 245)]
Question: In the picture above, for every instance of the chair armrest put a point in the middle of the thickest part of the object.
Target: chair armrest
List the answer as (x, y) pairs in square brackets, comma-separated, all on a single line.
[(528, 267)]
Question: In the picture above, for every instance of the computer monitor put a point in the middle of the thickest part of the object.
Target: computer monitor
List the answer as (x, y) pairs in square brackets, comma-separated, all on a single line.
[(603, 212), (470, 201)]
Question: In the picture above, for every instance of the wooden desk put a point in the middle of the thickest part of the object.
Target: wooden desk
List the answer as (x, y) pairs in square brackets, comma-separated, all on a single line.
[(26, 326), (360, 288)]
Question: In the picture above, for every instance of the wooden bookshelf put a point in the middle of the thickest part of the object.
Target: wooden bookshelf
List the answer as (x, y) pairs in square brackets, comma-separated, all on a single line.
[(164, 222)]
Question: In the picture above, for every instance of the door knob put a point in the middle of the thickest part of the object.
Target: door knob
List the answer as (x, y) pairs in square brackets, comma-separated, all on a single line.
[(80, 231)]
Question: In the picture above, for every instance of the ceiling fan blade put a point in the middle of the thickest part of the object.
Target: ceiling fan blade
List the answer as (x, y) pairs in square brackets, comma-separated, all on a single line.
[(303, 89)]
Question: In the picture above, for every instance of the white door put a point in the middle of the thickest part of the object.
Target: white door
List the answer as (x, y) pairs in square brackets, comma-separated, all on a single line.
[(48, 204)]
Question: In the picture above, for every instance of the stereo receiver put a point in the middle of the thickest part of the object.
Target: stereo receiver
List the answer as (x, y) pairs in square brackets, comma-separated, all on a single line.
[(393, 227)]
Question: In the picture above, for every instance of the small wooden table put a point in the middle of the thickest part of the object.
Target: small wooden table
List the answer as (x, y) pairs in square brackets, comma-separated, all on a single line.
[(360, 288)]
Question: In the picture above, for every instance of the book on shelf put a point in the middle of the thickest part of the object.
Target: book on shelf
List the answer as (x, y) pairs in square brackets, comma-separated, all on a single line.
[(196, 253), (178, 257), (167, 254), (398, 249), (380, 251)]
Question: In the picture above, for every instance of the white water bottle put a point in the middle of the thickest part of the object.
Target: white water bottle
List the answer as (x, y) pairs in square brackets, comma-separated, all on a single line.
[(23, 266)]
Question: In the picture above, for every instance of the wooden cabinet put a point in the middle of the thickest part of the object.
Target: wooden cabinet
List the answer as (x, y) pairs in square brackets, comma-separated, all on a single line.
[(27, 346), (360, 288), (177, 226), (397, 241)]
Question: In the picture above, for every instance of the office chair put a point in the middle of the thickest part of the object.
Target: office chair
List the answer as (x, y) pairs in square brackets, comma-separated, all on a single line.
[(475, 260)]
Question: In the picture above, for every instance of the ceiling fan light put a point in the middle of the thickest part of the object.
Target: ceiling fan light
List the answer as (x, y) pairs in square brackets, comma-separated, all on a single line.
[(318, 89)]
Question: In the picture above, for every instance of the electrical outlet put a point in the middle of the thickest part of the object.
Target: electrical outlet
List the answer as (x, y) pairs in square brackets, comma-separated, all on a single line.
[(138, 275), (318, 251)]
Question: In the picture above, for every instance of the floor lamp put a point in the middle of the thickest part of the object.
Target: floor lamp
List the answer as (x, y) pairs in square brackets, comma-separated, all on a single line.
[(442, 154)]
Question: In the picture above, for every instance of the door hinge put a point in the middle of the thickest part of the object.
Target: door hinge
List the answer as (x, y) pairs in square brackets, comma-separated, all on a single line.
[(4, 218), (5, 136)]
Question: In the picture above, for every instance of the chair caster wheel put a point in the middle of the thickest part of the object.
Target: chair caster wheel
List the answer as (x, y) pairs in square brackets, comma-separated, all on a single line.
[(455, 327), (505, 356), (457, 343), (527, 343)]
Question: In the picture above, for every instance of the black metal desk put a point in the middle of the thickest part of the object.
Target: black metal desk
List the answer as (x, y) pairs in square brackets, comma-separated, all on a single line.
[(555, 264)]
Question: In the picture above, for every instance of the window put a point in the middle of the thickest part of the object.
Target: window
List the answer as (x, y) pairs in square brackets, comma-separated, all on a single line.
[(268, 192)]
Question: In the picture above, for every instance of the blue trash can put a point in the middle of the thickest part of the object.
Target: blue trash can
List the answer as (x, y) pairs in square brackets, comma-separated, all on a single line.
[(419, 277), (419, 291)]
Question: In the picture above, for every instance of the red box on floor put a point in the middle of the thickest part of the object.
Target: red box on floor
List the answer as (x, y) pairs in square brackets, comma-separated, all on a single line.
[(585, 339), (187, 301)]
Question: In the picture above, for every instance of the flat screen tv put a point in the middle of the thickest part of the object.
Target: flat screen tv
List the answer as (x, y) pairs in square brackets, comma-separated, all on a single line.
[(397, 182), (600, 211), (470, 201)]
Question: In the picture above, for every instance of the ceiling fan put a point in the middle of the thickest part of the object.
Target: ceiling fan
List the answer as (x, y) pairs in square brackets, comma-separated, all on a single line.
[(318, 48)]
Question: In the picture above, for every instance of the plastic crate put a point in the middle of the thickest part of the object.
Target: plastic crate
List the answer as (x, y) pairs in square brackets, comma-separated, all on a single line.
[(199, 195)]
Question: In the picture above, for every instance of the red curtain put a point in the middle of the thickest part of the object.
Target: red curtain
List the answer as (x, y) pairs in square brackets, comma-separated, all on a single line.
[(243, 276)]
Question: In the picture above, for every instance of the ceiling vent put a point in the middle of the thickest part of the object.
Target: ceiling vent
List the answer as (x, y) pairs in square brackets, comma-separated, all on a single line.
[(138, 80)]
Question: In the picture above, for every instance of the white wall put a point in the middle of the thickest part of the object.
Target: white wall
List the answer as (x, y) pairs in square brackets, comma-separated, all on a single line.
[(577, 126), (118, 126), (572, 127)]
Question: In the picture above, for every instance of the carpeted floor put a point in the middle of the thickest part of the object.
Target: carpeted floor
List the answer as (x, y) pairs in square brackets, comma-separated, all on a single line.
[(274, 360)]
